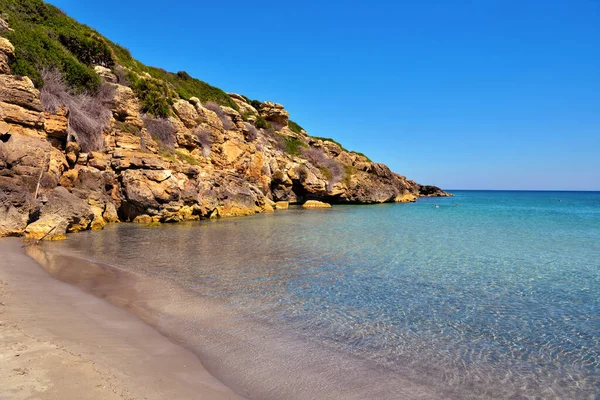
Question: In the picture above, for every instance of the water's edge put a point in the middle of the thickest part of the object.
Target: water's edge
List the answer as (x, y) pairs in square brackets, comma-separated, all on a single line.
[(247, 356)]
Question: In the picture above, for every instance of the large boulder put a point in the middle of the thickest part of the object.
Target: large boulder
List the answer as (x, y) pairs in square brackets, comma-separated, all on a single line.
[(24, 157), (73, 209), (48, 227), (56, 125), (15, 114), (316, 204), (274, 112), (209, 117), (106, 74), (126, 106), (19, 90), (144, 191), (242, 104), (17, 207), (187, 113), (432, 191)]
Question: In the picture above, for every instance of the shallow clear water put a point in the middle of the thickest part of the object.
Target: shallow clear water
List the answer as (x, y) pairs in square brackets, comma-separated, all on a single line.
[(498, 297)]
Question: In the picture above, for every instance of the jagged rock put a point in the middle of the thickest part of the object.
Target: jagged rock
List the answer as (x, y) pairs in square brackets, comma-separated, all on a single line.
[(72, 152), (19, 90), (56, 125), (17, 207), (274, 113), (126, 106), (106, 74), (232, 150), (48, 227), (209, 117), (75, 210), (61, 205), (187, 113), (241, 102), (316, 204), (145, 190), (7, 52), (135, 159), (25, 157), (100, 161), (15, 114), (432, 191), (235, 116)]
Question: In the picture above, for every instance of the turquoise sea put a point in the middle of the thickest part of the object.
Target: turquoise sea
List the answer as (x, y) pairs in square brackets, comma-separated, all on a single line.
[(491, 294)]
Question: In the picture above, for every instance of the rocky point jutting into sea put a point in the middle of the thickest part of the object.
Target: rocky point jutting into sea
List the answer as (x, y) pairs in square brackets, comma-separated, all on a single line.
[(119, 141)]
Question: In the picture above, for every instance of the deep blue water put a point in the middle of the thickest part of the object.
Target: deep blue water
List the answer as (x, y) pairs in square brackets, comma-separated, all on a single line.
[(493, 294)]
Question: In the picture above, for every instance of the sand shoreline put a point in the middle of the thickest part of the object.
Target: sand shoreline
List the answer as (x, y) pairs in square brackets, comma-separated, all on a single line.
[(57, 342), (136, 318)]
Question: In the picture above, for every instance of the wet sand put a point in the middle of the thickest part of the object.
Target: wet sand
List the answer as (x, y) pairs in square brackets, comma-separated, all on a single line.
[(57, 342), (122, 325)]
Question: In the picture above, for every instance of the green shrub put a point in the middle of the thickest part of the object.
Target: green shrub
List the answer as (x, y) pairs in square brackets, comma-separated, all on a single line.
[(349, 170), (125, 127), (187, 87), (291, 145), (186, 158), (155, 97), (361, 154), (44, 37), (326, 173), (294, 127), (262, 123), (256, 104), (329, 140), (246, 116), (183, 75)]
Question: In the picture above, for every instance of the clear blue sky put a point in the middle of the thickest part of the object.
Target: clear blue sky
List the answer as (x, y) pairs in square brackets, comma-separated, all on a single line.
[(463, 94)]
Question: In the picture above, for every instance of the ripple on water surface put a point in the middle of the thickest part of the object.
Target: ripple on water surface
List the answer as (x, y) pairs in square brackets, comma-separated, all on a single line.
[(498, 297)]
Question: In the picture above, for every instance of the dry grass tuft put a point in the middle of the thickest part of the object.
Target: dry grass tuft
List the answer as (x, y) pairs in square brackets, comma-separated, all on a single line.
[(88, 113)]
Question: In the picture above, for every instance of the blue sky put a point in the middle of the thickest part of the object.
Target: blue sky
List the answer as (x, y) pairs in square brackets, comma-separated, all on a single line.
[(463, 94)]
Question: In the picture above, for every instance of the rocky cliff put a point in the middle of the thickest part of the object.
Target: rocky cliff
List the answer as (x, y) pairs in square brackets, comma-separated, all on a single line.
[(141, 146)]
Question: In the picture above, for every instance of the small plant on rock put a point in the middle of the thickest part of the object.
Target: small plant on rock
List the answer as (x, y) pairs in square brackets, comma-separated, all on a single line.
[(225, 119), (88, 114), (204, 137), (162, 130)]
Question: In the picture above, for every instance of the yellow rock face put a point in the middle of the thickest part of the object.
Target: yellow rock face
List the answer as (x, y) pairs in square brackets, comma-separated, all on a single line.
[(316, 204), (142, 219), (282, 205), (406, 198), (50, 227)]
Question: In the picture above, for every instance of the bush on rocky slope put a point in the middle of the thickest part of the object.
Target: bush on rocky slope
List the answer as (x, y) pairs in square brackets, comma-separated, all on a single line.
[(88, 113), (44, 36)]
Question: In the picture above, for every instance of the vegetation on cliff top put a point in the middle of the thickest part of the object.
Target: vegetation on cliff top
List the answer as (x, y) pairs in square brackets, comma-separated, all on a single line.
[(45, 37)]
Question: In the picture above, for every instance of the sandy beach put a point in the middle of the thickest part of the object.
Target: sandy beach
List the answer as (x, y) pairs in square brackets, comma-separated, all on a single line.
[(57, 342)]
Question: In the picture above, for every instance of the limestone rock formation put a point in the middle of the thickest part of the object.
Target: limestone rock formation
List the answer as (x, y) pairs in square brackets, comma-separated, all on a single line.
[(197, 163), (274, 113), (316, 204)]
